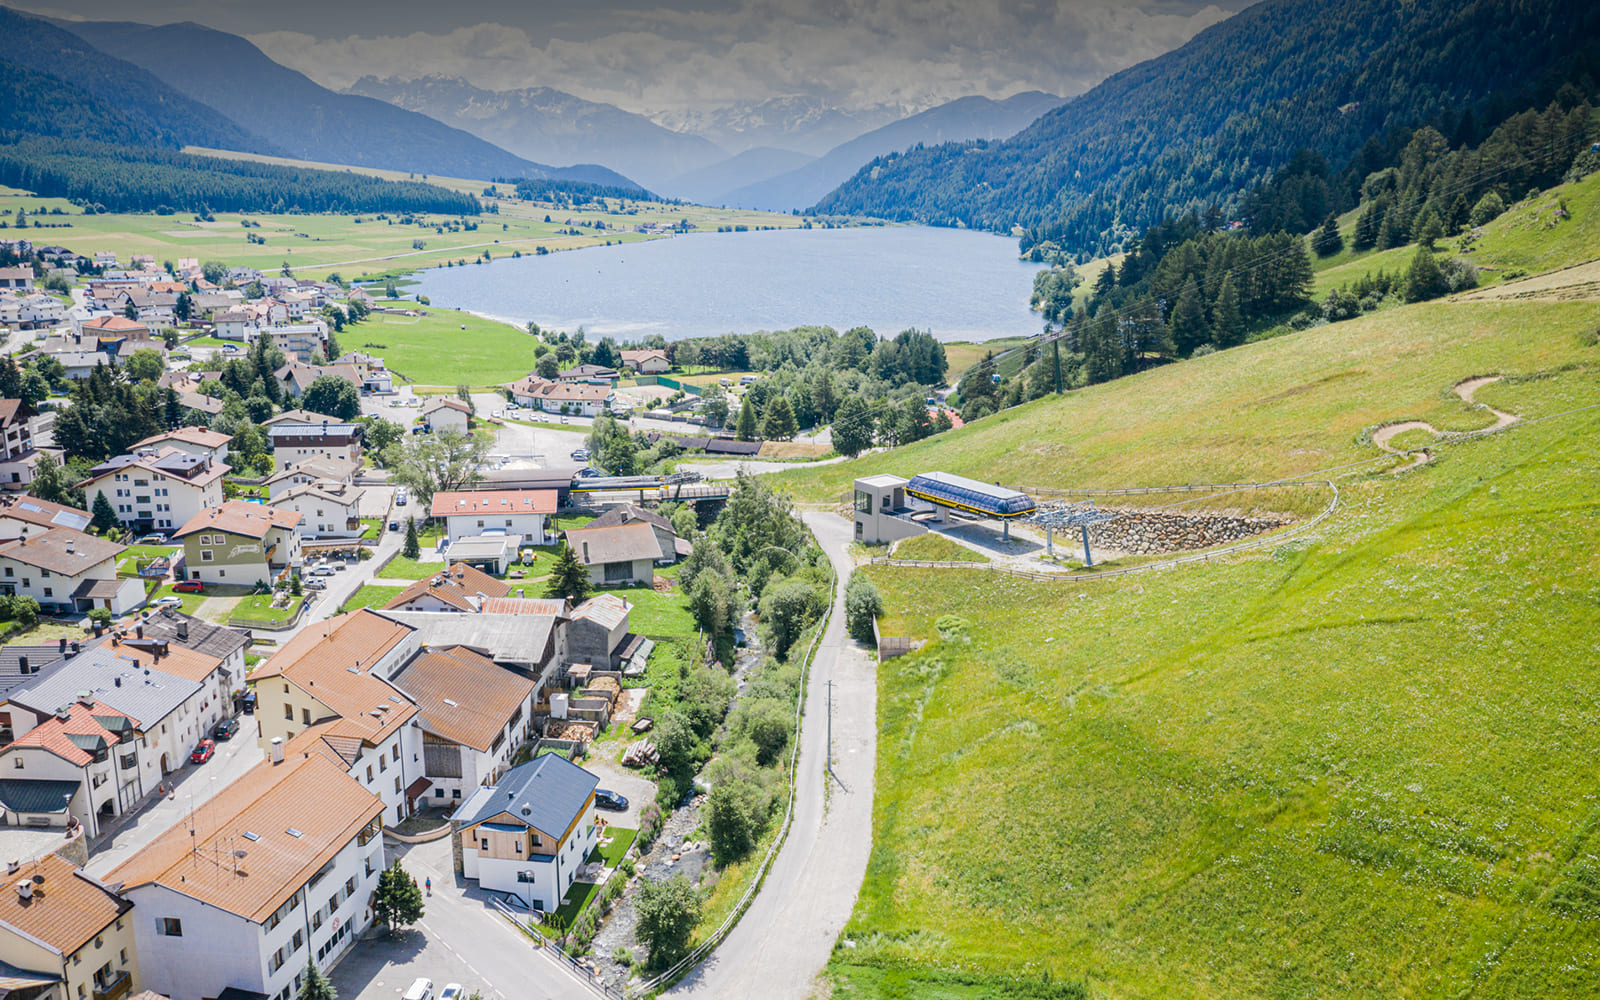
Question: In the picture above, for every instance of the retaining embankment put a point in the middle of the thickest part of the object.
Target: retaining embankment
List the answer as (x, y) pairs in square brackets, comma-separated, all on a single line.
[(1156, 532)]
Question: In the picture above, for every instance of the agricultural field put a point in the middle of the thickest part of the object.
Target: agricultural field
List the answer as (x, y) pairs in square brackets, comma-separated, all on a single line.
[(361, 246)]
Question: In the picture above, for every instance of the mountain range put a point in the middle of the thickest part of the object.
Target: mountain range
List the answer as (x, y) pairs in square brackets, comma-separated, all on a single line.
[(300, 118), (1204, 123)]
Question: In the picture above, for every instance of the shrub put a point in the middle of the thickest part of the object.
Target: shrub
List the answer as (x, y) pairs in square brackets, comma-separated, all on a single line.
[(862, 606), (649, 828), (668, 912), (100, 616)]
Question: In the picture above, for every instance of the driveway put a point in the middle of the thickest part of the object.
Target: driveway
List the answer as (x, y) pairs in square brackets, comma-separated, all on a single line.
[(786, 936), (461, 938), (639, 790)]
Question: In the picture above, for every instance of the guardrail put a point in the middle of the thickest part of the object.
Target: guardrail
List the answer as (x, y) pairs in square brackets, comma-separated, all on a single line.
[(578, 969), (706, 947)]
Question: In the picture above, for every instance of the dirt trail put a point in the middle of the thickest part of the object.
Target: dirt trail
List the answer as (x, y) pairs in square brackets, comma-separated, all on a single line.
[(1422, 456)]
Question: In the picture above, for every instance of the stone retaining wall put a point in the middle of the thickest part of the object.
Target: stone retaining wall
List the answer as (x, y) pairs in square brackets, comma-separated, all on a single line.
[(1161, 531)]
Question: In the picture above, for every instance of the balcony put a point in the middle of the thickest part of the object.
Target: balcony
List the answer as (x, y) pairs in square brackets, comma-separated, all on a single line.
[(114, 988)]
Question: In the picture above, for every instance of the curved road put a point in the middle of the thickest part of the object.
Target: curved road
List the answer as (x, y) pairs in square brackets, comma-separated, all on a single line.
[(785, 938)]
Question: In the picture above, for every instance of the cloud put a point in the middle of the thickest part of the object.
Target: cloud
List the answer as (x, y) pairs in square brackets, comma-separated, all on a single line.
[(910, 54)]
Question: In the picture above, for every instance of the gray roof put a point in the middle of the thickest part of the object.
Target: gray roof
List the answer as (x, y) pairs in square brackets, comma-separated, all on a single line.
[(511, 639), (42, 660), (26, 796), (618, 543), (147, 696), (547, 793), (203, 637), (481, 547)]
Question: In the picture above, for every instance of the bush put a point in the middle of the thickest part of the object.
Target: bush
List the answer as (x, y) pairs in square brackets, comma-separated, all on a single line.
[(862, 606), (1486, 210), (100, 616), (650, 823), (668, 912), (788, 607)]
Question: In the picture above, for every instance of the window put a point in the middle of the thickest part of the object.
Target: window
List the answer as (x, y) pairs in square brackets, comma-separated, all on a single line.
[(369, 774), (205, 555), (519, 847), (299, 939), (316, 920), (17, 763), (49, 592), (397, 784), (486, 843), (394, 751), (169, 927), (350, 886), (863, 501), (455, 793), (383, 764), (288, 712), (305, 716)]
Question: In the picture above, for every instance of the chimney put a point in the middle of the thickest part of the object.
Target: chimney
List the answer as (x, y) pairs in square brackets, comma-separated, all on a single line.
[(25, 889), (77, 647), (22, 664), (138, 630), (99, 629), (277, 749), (585, 551), (63, 649), (12, 867), (183, 629)]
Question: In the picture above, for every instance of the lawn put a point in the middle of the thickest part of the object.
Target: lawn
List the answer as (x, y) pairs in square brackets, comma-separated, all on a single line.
[(371, 596), (656, 614), (935, 548), (127, 563), (190, 601), (401, 568), (613, 853), (437, 350), (372, 528), (1357, 765), (257, 610)]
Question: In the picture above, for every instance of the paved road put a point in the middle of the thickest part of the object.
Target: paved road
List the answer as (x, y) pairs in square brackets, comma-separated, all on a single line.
[(462, 939), (786, 936), (730, 469), (192, 785)]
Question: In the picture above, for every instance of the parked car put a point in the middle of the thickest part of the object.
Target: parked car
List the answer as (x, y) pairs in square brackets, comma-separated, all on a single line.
[(422, 989), (153, 540), (203, 751), (586, 472), (248, 703), (400, 499), (394, 525), (225, 729), (316, 585), (322, 571), (580, 454), (605, 798), (188, 587), (451, 992), (170, 601)]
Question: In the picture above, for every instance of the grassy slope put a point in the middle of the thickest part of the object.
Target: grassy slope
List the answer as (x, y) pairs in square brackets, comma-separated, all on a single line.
[(1354, 766), (435, 350)]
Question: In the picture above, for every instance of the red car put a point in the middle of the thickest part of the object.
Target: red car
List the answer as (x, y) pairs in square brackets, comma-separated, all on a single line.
[(203, 751), (189, 587)]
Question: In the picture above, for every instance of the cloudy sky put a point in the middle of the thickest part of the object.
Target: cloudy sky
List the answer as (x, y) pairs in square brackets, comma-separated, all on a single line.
[(666, 55)]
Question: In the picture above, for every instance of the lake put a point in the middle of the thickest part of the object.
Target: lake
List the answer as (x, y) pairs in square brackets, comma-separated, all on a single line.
[(961, 285)]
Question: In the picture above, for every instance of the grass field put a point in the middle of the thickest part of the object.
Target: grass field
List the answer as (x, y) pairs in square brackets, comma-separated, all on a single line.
[(1354, 765), (258, 610), (435, 349), (935, 548), (371, 596), (315, 245)]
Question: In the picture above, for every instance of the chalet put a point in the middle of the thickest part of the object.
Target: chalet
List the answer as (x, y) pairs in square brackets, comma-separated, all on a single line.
[(581, 398), (445, 413), (327, 509), (18, 457), (65, 935), (522, 515), (651, 362), (65, 569), (254, 542), (193, 440), (474, 716), (617, 556), (17, 279)]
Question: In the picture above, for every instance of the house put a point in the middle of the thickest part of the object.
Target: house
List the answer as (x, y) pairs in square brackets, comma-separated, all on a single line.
[(561, 397), (312, 470), (588, 373), (528, 835), (30, 311), (492, 553), (79, 766), (79, 365), (327, 509), (459, 589), (375, 376), (65, 935), (18, 458), (295, 378), (619, 555), (22, 515), (170, 697), (597, 634), (327, 690), (254, 542), (19, 279), (531, 642), (108, 329), (651, 362), (180, 631), (109, 736), (300, 341), (298, 435), (522, 515), (233, 324), (673, 548), (444, 413), (157, 490), (193, 440), (474, 714), (65, 569), (244, 893)]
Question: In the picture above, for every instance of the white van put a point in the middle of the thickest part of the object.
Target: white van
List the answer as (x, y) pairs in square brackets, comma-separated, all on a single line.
[(422, 989)]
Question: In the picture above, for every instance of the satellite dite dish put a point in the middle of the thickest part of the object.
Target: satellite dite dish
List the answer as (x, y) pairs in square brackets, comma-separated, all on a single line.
[(241, 854)]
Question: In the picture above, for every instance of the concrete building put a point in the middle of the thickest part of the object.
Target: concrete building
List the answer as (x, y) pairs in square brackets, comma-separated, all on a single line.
[(312, 470), (474, 716), (579, 398), (65, 935), (327, 509), (18, 457), (157, 490), (882, 513), (529, 834), (241, 543), (617, 556), (294, 441), (597, 634), (521, 515), (459, 589), (193, 440), (445, 413), (277, 870), (328, 691), (22, 515)]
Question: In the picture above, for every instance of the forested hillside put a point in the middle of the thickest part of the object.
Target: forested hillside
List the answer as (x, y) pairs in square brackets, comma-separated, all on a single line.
[(137, 107), (1213, 119), (133, 179)]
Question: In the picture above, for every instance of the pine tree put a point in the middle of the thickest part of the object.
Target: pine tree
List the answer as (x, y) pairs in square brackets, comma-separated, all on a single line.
[(413, 547), (316, 986), (1367, 224), (1424, 280), (852, 426), (746, 429), (105, 517), (1188, 319), (569, 578), (779, 424), (398, 900), (1227, 326), (1327, 240)]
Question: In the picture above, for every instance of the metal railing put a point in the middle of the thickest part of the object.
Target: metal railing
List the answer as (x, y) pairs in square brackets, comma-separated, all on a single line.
[(705, 948)]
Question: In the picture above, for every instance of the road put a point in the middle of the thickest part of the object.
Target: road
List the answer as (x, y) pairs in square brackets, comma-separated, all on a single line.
[(785, 938), (461, 939)]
